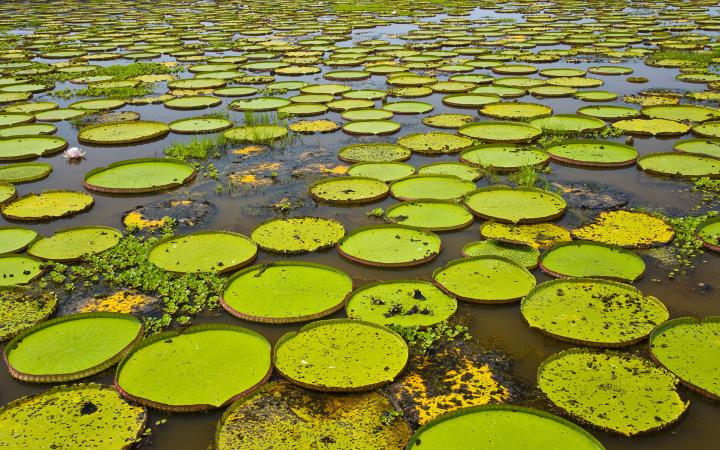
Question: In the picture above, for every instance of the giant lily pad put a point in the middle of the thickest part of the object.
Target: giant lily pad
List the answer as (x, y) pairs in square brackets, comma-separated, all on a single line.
[(341, 355), (681, 165), (435, 142), (204, 251), (515, 111), (617, 392), (371, 127), (652, 127), (199, 125), (592, 259), (298, 234), (568, 124), (286, 292), (501, 132), (21, 309), (485, 279), (142, 175), (407, 303), (383, 171), (433, 215), (72, 347), (681, 113), (256, 133), (27, 147), (593, 153), (122, 133), (24, 172), (699, 146), (78, 416), (437, 187), (521, 254), (709, 233), (203, 367), (515, 205), (7, 192), (349, 190), (377, 152), (19, 269), (15, 239), (627, 229), (47, 205), (390, 246), (502, 427), (503, 157), (690, 348), (538, 235), (592, 312), (73, 243)]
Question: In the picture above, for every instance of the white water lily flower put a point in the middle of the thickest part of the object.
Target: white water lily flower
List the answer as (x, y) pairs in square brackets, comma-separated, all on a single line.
[(73, 153)]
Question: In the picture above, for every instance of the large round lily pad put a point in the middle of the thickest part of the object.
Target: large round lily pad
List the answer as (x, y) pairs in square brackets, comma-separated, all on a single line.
[(204, 251), (680, 165), (77, 416), (47, 205), (19, 269), (390, 246), (144, 175), (690, 349), (374, 152), (15, 239), (699, 146), (73, 243), (568, 124), (627, 229), (617, 392), (407, 303), (436, 187), (21, 309), (515, 205), (72, 347), (502, 427), (592, 259), (282, 415), (341, 355), (592, 312), (256, 133), (433, 215), (371, 127), (122, 133), (203, 367), (537, 235), (652, 127), (522, 254), (501, 132), (593, 153), (286, 292), (485, 279), (681, 113), (298, 234), (27, 147), (349, 190), (503, 157), (24, 172), (435, 142), (709, 233), (200, 125), (383, 171)]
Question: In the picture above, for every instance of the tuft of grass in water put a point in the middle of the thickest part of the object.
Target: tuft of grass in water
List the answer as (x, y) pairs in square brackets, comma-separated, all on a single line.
[(531, 177), (701, 58), (423, 340), (120, 93), (197, 149), (136, 69)]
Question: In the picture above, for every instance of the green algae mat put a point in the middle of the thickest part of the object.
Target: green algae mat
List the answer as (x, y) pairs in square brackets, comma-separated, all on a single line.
[(341, 355), (282, 415), (136, 176), (592, 259), (77, 416), (484, 279), (122, 133), (72, 347), (390, 246), (203, 367), (21, 309), (297, 234), (286, 292), (73, 243), (690, 348), (615, 392), (502, 427), (515, 205), (405, 303), (203, 251), (592, 312), (48, 205)]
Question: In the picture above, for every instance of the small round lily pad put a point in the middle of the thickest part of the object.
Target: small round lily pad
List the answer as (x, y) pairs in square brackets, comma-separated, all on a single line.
[(709, 233)]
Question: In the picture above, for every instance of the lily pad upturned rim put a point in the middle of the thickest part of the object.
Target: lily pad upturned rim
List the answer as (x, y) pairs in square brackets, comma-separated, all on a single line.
[(319, 323), (19, 249), (679, 155), (599, 244), (416, 262), (283, 320), (162, 131), (49, 152), (347, 202), (46, 217), (671, 323), (710, 245), (66, 230), (500, 407), (169, 335), (577, 162), (131, 190), (56, 378), (525, 221)]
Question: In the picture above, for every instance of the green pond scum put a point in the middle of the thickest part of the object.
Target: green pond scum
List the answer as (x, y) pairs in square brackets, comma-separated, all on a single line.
[(359, 225)]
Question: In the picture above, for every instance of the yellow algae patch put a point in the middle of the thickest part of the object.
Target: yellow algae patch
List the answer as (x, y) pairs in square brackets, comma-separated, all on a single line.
[(154, 78), (627, 229), (538, 235), (122, 302), (250, 150), (187, 92), (652, 100), (248, 178), (136, 219)]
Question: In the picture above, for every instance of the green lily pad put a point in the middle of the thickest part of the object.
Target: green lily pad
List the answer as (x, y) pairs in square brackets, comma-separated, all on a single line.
[(200, 125), (286, 292), (58, 115), (203, 251), (142, 175), (259, 104), (24, 172), (515, 205), (501, 132), (371, 127), (9, 119), (592, 312), (256, 133), (100, 104), (707, 129), (390, 246), (521, 254), (433, 215), (282, 415), (681, 113), (406, 303), (652, 127), (503, 157), (200, 368), (568, 124), (596, 96), (609, 112), (408, 107), (297, 234), (7, 192), (28, 147), (681, 165), (122, 133), (15, 239), (616, 392), (709, 233), (374, 152), (592, 259), (502, 427), (341, 355), (72, 244), (19, 269), (192, 102), (689, 348), (591, 153), (383, 171), (437, 187), (348, 190), (453, 121), (435, 142), (21, 309), (72, 347), (456, 169), (470, 100), (366, 114), (485, 279), (515, 111), (699, 146), (47, 205), (81, 415)]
